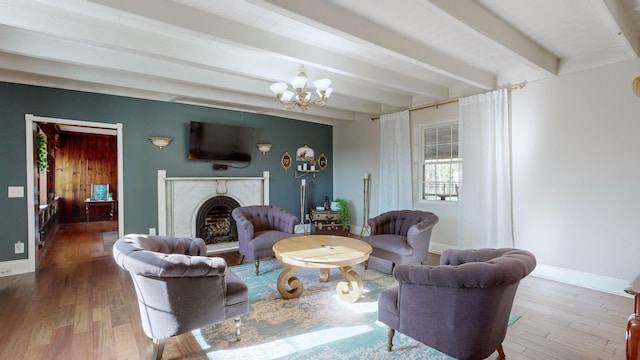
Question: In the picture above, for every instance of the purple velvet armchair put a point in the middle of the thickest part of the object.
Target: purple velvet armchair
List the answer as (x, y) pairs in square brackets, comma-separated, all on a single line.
[(460, 307), (179, 288), (401, 236), (259, 228)]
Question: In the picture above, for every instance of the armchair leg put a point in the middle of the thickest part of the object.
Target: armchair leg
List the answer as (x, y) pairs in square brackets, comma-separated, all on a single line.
[(366, 264), (390, 334), (501, 355), (237, 322), (257, 267), (158, 348), (241, 259)]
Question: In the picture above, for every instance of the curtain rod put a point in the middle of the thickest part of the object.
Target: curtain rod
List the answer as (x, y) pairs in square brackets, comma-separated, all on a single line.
[(509, 88)]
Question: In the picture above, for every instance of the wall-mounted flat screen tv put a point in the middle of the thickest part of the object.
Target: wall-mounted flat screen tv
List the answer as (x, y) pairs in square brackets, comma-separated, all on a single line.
[(229, 145)]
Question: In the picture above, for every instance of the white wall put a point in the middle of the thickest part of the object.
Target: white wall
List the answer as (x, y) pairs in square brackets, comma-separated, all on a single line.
[(576, 175), (576, 171)]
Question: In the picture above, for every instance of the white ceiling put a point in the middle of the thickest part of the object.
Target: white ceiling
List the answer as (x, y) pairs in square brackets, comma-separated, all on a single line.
[(382, 55)]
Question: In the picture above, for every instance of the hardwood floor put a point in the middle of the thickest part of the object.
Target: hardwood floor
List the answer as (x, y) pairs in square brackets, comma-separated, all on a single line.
[(80, 305)]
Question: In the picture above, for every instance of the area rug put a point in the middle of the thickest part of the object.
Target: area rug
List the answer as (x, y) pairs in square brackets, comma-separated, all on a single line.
[(108, 239), (317, 325)]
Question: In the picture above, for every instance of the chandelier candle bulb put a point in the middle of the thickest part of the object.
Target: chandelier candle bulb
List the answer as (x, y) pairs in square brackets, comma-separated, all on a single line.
[(300, 96)]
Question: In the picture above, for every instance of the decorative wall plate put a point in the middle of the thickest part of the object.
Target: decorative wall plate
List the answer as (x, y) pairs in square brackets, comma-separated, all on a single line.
[(285, 160), (635, 85), (322, 161)]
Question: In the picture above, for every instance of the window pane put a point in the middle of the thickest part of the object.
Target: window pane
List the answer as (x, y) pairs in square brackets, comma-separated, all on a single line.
[(441, 163), (444, 151), (430, 153)]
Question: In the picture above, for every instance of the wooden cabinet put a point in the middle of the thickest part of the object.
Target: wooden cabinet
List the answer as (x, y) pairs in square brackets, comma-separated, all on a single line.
[(326, 222)]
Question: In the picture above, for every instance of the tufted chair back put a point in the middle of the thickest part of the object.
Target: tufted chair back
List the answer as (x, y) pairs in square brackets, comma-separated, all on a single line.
[(399, 222)]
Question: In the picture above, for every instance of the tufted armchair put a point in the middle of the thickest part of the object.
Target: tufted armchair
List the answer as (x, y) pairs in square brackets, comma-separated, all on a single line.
[(460, 307), (401, 236), (179, 289), (259, 228)]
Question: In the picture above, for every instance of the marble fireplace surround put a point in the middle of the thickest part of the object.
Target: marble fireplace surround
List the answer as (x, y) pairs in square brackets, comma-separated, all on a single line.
[(180, 198)]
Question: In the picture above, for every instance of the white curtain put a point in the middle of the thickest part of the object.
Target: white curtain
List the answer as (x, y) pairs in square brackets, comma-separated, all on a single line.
[(395, 162), (485, 218)]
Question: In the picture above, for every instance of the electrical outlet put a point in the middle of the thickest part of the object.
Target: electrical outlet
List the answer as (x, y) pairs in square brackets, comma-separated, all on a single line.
[(4, 272), (19, 247), (16, 192), (152, 231)]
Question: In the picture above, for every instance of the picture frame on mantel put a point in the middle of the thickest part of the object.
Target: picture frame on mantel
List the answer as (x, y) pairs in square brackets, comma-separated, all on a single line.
[(305, 153), (285, 161)]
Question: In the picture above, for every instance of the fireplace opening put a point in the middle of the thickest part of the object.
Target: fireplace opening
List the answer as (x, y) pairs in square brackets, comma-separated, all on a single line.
[(214, 223)]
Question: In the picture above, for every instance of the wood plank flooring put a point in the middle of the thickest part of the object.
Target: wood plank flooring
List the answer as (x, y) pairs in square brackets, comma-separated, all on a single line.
[(80, 305)]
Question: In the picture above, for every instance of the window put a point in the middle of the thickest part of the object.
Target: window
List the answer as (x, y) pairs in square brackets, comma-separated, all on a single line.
[(441, 165)]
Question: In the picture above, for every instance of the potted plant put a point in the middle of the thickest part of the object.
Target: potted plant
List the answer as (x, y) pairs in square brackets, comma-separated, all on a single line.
[(344, 214), (41, 144)]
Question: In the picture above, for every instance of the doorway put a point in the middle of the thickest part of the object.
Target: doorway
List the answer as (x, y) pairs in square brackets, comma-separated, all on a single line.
[(84, 127)]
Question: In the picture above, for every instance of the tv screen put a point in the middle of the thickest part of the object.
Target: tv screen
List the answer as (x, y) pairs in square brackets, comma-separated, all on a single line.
[(222, 144)]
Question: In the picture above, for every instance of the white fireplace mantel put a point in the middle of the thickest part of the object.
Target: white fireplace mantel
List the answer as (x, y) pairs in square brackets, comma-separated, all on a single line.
[(180, 198)]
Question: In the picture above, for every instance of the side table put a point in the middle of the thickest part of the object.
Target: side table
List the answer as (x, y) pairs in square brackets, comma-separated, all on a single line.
[(112, 204), (326, 222)]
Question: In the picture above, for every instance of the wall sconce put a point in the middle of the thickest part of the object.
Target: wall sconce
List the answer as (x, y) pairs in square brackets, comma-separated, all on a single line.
[(160, 141), (264, 148)]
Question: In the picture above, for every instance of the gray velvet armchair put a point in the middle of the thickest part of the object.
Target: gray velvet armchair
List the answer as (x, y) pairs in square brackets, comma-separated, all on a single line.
[(179, 289), (401, 236), (460, 307), (259, 228)]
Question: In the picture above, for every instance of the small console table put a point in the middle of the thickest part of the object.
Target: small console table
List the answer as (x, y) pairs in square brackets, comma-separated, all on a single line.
[(89, 203)]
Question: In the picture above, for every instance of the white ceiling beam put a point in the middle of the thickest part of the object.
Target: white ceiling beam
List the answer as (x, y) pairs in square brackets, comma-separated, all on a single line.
[(41, 46), (116, 36), (616, 18), (236, 33), (345, 24), (80, 77), (488, 26)]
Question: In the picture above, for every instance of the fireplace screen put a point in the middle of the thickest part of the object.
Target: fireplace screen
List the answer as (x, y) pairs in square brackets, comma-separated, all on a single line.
[(214, 223)]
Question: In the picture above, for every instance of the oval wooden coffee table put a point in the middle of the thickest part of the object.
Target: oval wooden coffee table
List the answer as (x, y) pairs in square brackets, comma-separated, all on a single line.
[(323, 252)]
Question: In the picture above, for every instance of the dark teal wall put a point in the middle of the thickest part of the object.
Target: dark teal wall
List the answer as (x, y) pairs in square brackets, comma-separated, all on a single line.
[(141, 119)]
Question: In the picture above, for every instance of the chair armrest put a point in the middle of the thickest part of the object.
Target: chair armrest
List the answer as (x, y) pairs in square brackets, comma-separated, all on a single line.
[(377, 223), (244, 226), (418, 231), (287, 222)]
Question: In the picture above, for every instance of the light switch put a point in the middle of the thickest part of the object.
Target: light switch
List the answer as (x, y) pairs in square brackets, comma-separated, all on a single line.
[(16, 191)]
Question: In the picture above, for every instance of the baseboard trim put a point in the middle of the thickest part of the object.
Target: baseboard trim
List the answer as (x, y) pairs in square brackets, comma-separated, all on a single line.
[(566, 276), (15, 267), (586, 280)]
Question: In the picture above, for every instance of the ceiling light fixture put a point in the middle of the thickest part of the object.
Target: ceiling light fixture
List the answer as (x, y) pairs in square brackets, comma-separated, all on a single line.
[(300, 96)]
